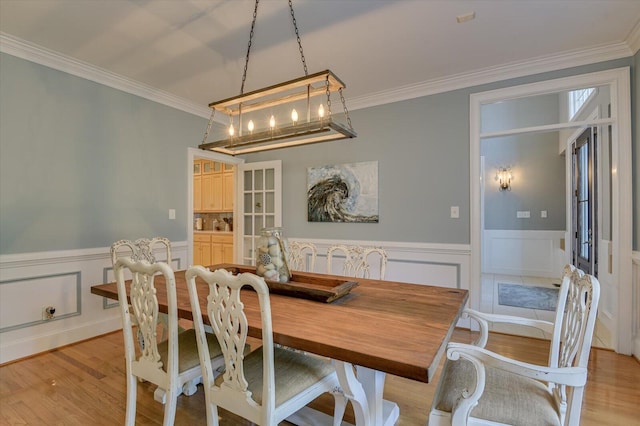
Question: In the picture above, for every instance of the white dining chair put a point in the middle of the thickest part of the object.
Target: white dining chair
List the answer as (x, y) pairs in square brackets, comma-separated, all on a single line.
[(269, 384), (173, 364), (144, 249), (356, 261), (478, 386), (302, 256)]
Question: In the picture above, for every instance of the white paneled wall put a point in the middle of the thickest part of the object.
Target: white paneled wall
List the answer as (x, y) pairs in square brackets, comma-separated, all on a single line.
[(31, 281), (62, 279), (532, 253)]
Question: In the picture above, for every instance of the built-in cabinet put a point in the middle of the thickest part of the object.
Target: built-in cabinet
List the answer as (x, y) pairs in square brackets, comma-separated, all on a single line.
[(213, 184), (212, 248), (213, 202)]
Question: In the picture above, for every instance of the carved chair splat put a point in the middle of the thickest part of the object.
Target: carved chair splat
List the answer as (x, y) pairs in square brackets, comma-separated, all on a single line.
[(249, 387), (299, 253), (358, 261)]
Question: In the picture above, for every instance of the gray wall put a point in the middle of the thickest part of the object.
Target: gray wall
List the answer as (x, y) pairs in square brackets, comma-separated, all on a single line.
[(84, 165), (422, 149), (538, 182), (538, 170), (75, 154)]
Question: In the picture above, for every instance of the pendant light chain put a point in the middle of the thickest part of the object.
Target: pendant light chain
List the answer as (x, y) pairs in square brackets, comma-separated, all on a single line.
[(206, 133), (246, 62), (344, 105), (328, 91), (295, 27)]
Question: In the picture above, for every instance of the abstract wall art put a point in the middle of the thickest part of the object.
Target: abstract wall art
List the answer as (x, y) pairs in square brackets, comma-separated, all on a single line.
[(343, 193)]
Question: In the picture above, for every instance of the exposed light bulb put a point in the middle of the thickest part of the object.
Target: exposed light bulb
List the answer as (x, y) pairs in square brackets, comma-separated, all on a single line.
[(320, 111), (250, 126), (272, 122), (294, 116), (231, 130)]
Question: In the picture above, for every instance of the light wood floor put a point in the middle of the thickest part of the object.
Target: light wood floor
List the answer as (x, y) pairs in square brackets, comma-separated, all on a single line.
[(83, 384)]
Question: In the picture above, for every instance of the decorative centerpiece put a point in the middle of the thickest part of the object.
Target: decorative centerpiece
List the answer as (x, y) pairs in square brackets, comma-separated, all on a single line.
[(271, 256)]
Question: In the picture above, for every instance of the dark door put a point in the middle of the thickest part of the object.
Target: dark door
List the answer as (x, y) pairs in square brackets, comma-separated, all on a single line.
[(584, 202)]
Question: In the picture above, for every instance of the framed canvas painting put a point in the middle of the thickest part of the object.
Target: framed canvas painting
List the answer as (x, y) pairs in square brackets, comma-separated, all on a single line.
[(343, 193)]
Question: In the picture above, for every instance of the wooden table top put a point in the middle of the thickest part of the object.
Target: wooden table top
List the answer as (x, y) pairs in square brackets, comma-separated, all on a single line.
[(398, 328)]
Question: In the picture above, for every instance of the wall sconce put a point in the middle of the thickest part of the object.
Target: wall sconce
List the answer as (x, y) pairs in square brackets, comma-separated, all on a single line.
[(504, 176)]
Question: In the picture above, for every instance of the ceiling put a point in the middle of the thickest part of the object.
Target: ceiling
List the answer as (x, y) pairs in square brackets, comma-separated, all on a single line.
[(194, 50)]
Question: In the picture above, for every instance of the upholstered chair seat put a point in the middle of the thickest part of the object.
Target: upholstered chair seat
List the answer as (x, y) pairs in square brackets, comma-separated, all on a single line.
[(508, 398)]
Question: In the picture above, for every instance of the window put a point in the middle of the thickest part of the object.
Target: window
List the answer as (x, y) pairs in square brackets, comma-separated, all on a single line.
[(577, 99)]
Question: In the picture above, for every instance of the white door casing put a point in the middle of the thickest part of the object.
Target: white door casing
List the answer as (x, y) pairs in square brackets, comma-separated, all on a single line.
[(619, 84)]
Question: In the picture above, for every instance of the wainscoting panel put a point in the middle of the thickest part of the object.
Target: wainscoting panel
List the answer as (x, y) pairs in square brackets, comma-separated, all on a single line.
[(445, 265), (60, 291), (63, 279), (31, 280), (532, 253)]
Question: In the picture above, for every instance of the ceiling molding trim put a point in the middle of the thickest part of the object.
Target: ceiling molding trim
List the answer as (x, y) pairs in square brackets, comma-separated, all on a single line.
[(634, 39), (32, 52), (491, 75), (29, 51)]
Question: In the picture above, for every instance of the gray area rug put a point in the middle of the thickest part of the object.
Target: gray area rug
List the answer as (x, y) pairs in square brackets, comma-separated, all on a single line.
[(526, 296)]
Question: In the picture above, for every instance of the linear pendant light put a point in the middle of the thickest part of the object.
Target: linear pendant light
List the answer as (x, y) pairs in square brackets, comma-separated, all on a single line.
[(302, 107)]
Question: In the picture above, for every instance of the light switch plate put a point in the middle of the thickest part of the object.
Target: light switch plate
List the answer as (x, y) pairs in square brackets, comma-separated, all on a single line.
[(172, 213), (523, 214), (455, 212)]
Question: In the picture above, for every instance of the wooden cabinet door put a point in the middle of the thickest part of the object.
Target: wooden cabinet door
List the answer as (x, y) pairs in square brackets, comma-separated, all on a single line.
[(216, 192), (227, 191), (206, 254), (227, 253), (207, 192), (197, 193), (201, 249), (216, 252)]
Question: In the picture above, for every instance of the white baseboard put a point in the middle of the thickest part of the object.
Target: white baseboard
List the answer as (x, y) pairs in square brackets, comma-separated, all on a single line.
[(32, 345)]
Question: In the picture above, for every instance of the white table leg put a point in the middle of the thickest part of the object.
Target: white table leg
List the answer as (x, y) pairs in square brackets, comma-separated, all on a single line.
[(373, 384), (365, 393), (354, 391)]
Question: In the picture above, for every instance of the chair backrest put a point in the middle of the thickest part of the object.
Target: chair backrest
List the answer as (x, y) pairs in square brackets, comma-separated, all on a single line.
[(141, 249), (143, 306), (572, 335), (299, 253), (358, 261), (229, 323)]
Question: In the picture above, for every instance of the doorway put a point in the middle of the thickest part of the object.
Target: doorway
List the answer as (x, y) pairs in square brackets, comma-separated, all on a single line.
[(616, 288), (221, 159)]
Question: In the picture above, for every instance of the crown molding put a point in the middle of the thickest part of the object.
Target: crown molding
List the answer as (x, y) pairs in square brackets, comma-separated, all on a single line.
[(40, 55), (49, 58), (634, 39), (491, 75)]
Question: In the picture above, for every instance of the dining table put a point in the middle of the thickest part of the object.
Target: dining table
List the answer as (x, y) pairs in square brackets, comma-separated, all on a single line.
[(367, 327)]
